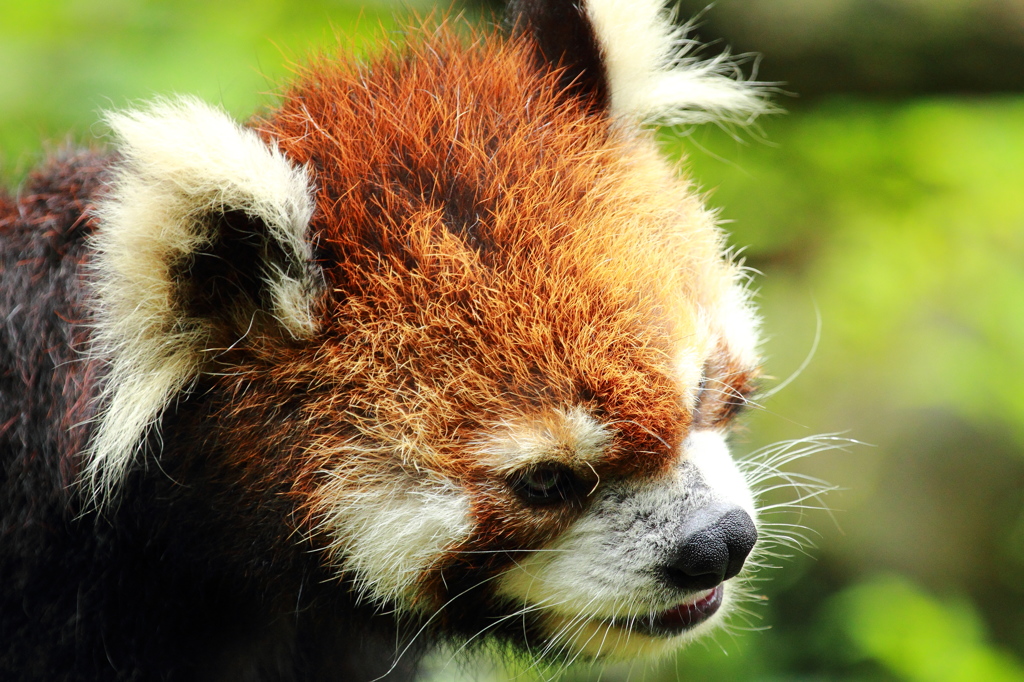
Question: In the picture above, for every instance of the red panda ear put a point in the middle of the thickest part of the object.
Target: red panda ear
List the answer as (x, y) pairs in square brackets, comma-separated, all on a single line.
[(202, 243), (630, 60), (565, 39)]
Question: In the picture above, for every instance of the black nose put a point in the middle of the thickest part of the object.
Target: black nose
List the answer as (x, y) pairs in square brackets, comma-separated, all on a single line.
[(713, 548)]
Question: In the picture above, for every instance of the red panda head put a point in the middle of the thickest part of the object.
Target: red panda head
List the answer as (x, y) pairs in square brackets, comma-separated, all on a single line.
[(459, 311)]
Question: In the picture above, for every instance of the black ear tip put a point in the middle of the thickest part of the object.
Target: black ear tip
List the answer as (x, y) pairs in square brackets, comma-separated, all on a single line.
[(565, 39), (630, 60)]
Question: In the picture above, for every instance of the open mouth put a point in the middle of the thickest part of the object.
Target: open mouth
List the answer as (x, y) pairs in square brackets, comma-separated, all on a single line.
[(680, 618)]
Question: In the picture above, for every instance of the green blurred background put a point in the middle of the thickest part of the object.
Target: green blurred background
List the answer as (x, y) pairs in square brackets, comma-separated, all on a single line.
[(886, 207)]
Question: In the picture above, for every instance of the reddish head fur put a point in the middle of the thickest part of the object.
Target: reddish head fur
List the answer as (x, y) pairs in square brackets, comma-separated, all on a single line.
[(504, 254)]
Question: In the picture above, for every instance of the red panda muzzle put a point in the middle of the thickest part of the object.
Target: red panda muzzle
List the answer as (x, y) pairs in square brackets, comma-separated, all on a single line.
[(686, 615)]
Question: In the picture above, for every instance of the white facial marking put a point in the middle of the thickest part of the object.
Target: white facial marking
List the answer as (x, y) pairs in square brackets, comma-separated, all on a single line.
[(607, 564), (709, 453), (390, 530), (738, 324), (571, 434)]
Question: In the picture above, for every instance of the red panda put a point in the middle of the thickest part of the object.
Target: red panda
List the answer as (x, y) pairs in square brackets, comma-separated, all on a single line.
[(438, 349)]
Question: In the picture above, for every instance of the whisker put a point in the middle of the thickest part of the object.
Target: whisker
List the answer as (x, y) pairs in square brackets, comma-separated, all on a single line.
[(437, 612), (803, 365)]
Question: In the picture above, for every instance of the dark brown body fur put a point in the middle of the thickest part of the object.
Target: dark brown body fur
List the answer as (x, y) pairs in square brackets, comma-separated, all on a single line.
[(175, 582)]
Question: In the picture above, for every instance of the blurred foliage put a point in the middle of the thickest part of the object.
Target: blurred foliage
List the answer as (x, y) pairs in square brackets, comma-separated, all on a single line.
[(898, 225), (65, 61), (918, 637), (907, 221), (882, 47)]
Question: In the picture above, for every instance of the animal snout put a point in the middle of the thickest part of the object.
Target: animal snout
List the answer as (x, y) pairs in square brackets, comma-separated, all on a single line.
[(712, 548)]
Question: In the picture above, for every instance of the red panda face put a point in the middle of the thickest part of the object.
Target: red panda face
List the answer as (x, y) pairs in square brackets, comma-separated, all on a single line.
[(470, 321)]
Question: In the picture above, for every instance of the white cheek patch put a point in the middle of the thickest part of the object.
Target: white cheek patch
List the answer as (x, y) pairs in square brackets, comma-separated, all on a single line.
[(388, 532)]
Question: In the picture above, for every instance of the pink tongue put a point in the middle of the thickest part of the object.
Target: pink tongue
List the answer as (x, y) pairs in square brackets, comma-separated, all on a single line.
[(686, 615)]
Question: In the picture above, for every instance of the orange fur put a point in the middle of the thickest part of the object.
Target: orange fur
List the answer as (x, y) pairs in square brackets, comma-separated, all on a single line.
[(565, 266)]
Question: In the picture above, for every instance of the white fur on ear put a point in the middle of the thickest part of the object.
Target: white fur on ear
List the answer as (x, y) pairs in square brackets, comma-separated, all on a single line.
[(181, 161), (651, 77)]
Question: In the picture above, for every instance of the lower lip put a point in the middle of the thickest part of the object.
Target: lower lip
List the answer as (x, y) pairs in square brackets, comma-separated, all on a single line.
[(681, 618)]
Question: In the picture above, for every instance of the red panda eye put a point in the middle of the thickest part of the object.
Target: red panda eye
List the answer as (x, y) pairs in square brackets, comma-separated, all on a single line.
[(722, 397), (547, 484), (698, 404)]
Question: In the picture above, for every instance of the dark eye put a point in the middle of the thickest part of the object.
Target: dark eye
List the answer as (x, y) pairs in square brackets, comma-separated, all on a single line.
[(700, 405), (547, 484), (721, 400)]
